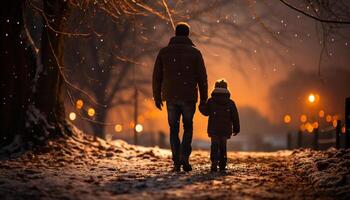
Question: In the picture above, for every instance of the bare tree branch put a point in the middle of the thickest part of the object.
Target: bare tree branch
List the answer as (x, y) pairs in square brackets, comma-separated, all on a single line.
[(314, 17)]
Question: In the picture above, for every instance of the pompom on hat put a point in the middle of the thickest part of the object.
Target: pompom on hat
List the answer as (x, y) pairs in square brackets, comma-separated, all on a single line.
[(221, 84)]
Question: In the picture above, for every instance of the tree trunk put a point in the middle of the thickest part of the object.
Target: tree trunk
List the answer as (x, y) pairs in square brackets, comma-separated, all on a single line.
[(98, 129), (31, 88), (17, 71)]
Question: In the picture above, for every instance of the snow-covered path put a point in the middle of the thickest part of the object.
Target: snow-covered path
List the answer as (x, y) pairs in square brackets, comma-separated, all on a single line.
[(81, 168)]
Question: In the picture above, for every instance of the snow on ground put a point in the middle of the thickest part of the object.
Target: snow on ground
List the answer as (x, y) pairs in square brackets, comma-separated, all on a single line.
[(83, 167), (328, 171)]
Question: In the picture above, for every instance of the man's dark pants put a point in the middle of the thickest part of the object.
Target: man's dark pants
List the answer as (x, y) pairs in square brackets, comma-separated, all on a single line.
[(181, 151), (218, 152)]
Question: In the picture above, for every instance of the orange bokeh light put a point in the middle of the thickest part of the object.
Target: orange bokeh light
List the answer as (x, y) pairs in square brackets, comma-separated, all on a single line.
[(303, 118), (309, 127), (91, 112), (118, 128), (72, 116), (287, 119), (321, 113), (79, 104), (335, 123)]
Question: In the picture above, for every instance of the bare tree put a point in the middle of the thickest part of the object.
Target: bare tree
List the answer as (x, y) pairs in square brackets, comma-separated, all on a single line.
[(32, 81)]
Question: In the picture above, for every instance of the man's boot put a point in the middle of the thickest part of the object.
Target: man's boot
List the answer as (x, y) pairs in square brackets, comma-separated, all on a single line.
[(177, 167), (214, 166), (186, 166), (222, 166)]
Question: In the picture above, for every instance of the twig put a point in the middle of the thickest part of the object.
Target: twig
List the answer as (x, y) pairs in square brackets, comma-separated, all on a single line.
[(85, 118), (66, 80), (169, 14), (47, 23), (314, 17)]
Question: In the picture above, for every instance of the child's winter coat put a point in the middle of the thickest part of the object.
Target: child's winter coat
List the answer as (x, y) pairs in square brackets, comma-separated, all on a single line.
[(222, 112)]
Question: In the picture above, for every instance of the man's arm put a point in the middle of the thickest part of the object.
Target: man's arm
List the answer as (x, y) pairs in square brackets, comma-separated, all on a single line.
[(157, 79), (202, 79), (235, 118), (204, 108)]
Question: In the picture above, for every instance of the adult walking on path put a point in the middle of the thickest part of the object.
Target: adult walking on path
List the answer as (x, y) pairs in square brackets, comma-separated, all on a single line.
[(179, 72)]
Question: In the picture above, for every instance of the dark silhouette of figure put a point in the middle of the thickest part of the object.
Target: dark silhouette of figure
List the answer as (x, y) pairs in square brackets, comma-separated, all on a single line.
[(179, 72), (223, 122)]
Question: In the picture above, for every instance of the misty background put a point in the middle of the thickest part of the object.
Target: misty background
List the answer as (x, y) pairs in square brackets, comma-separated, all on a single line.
[(271, 56)]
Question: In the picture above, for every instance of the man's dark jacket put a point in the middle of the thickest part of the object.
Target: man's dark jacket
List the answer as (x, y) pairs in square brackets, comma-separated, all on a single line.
[(178, 73), (223, 115)]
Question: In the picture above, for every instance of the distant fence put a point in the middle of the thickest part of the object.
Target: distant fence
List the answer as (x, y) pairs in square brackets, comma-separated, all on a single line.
[(323, 138)]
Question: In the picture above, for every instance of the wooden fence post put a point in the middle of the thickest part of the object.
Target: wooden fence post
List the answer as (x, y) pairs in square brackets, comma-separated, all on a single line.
[(315, 142), (289, 140), (347, 122), (337, 134), (299, 138)]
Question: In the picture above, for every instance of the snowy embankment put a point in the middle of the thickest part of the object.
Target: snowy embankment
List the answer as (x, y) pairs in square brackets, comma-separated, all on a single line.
[(328, 171)]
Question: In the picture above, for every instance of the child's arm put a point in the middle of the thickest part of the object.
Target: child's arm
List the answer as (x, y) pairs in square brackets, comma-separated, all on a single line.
[(204, 108), (235, 118)]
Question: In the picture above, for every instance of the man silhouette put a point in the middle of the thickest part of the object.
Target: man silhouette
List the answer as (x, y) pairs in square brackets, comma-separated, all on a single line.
[(179, 71)]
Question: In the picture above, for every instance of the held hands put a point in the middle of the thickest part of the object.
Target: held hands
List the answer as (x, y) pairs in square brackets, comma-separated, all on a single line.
[(201, 107), (234, 134), (159, 104)]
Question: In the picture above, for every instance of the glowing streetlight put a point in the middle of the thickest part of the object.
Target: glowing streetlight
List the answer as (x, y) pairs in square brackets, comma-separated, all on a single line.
[(315, 125), (91, 112), (72, 116), (118, 128), (312, 98), (79, 104), (287, 119), (139, 128)]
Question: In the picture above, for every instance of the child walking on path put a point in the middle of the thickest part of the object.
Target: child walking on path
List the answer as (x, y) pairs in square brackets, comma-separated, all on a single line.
[(223, 122)]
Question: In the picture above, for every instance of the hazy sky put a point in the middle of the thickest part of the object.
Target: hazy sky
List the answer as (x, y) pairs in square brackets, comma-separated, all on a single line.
[(255, 65)]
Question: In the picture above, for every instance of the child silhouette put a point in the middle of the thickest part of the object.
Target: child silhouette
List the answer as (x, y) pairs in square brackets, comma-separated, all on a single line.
[(223, 122)]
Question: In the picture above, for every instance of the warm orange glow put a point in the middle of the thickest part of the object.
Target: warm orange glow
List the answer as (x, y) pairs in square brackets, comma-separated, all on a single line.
[(311, 98), (79, 104), (287, 119), (343, 129), (328, 118), (335, 123), (91, 112), (72, 116), (321, 113), (139, 128), (302, 127), (317, 97), (309, 127), (118, 128), (315, 125), (335, 117), (303, 118), (141, 119)]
